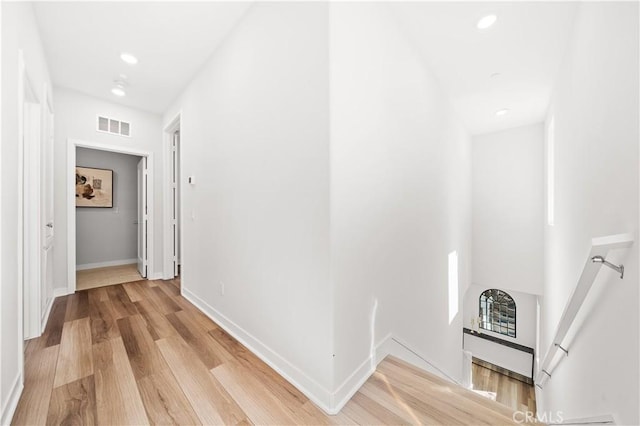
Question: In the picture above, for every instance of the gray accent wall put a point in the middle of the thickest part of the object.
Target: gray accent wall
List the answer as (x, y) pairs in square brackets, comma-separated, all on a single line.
[(109, 234)]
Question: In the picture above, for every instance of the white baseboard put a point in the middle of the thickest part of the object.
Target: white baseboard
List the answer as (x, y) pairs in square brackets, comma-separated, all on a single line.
[(57, 292), (312, 389), (156, 276), (60, 291), (360, 375), (45, 317), (606, 419), (394, 346), (540, 406), (351, 385), (11, 403), (389, 345), (330, 402), (105, 264)]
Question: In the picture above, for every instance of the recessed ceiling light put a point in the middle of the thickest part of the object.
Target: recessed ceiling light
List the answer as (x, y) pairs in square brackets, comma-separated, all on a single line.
[(118, 91), (129, 58), (486, 21), (502, 112)]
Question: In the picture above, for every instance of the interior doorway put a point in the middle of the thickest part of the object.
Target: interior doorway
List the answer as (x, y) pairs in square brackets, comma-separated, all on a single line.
[(123, 251), (111, 218)]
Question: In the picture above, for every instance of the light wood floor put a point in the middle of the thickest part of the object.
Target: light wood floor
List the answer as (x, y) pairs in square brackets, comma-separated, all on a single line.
[(139, 353), (101, 277), (513, 393)]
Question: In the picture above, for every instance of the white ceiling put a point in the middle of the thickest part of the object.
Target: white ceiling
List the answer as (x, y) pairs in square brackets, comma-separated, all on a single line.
[(526, 46), (172, 40)]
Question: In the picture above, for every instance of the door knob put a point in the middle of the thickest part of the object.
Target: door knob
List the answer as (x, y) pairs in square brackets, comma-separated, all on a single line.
[(50, 225)]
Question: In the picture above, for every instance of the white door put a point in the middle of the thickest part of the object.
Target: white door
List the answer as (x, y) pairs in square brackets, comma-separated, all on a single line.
[(142, 217), (176, 202), (46, 216), (31, 219)]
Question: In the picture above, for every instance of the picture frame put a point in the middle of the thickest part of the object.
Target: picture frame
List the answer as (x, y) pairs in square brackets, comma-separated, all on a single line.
[(94, 187)]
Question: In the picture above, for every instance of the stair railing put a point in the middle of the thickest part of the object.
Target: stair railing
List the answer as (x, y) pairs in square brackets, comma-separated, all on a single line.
[(558, 349)]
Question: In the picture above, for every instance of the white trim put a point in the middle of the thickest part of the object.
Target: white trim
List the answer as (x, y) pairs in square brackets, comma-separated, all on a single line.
[(360, 375), (72, 144), (605, 419), (10, 404), (57, 292), (45, 317), (20, 248), (1, 410), (389, 345), (47, 201), (32, 245), (60, 291), (393, 345), (539, 400), (308, 386), (96, 265), (330, 402), (167, 137)]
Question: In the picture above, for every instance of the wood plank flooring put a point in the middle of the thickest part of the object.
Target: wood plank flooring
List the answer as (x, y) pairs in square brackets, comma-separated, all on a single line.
[(109, 275), (139, 353), (511, 392)]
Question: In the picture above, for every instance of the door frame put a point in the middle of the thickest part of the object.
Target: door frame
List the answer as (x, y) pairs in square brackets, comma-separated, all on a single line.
[(29, 181), (22, 83), (47, 132), (174, 124), (32, 313), (72, 144), (142, 218)]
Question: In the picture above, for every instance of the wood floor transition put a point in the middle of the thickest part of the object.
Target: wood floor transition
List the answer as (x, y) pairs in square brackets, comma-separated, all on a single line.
[(109, 275), (139, 353)]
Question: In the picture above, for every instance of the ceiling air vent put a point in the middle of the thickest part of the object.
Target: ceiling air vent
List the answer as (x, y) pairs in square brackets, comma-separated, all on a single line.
[(115, 127)]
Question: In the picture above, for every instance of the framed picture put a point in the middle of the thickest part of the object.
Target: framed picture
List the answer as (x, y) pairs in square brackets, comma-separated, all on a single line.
[(94, 187)]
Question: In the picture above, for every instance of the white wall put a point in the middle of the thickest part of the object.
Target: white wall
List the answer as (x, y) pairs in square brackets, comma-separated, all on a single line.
[(508, 209), (2, 403), (254, 133), (400, 195), (595, 105), (512, 359), (19, 31), (75, 118), (109, 234)]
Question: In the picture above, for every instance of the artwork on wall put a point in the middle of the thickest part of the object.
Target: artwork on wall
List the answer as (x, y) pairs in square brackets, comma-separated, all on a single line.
[(94, 187)]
